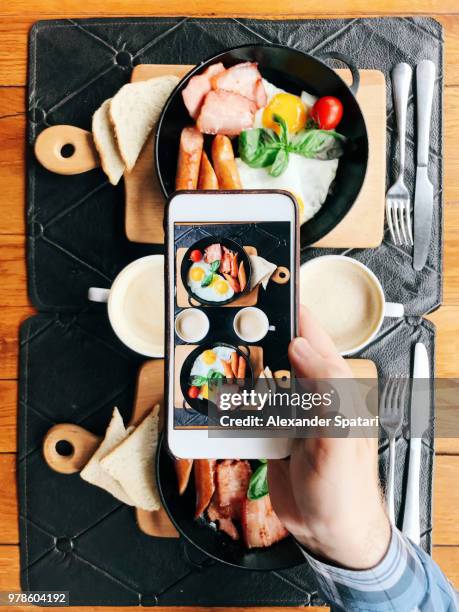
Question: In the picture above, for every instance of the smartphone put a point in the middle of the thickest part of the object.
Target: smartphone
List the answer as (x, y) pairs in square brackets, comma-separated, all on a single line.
[(231, 271)]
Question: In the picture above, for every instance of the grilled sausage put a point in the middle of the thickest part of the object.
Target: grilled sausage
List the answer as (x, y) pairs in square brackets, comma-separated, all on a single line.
[(242, 277), (224, 163), (189, 158), (183, 471), (204, 473), (207, 176)]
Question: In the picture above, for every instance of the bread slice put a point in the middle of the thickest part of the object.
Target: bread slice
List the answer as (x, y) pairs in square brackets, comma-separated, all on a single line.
[(132, 463), (94, 474), (262, 271), (106, 145), (134, 110)]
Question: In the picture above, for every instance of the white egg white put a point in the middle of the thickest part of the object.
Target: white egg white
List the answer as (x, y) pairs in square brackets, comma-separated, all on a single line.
[(308, 179), (201, 368), (208, 293)]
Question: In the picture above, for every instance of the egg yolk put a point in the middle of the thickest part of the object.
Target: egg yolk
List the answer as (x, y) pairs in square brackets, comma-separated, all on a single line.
[(290, 108), (197, 274), (221, 287), (204, 391), (209, 357)]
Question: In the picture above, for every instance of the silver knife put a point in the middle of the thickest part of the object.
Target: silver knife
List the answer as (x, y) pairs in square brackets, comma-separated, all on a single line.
[(419, 423), (423, 197)]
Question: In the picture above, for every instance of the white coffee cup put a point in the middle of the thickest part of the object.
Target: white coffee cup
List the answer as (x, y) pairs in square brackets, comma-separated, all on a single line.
[(251, 324), (347, 299), (135, 305), (192, 325)]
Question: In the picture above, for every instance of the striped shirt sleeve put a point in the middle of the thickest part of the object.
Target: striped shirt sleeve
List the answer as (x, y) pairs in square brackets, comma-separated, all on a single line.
[(406, 579)]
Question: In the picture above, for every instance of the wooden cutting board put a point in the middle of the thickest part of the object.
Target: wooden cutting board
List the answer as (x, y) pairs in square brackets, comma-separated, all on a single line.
[(150, 391), (362, 227)]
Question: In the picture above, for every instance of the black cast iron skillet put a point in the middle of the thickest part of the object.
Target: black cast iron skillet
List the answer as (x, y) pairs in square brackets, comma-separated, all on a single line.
[(293, 71), (185, 378), (201, 245), (205, 537)]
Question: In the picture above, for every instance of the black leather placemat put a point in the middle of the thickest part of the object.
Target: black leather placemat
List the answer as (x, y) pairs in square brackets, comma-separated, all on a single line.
[(77, 538), (73, 536), (76, 223)]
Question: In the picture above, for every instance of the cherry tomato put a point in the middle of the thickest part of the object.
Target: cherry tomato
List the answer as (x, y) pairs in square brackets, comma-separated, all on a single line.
[(193, 392), (196, 255), (327, 112)]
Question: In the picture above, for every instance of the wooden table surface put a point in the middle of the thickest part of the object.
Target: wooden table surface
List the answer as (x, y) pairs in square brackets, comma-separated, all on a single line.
[(16, 17)]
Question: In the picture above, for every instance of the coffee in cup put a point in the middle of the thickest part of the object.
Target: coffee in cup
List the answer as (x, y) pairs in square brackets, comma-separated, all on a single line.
[(251, 324), (135, 304), (347, 300), (191, 325)]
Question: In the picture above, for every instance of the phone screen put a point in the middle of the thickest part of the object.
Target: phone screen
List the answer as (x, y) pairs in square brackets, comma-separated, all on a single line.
[(233, 309)]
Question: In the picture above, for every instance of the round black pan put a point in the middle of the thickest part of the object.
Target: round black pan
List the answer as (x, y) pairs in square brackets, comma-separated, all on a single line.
[(293, 71), (185, 378), (216, 544), (201, 245)]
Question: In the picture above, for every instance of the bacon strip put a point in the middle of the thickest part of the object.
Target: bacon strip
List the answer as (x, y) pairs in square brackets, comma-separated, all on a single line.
[(225, 112), (213, 253), (225, 265), (232, 481), (243, 79), (260, 524), (223, 522), (198, 87)]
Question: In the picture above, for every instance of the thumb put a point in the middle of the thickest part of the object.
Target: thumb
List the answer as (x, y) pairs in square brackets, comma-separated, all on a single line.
[(305, 360)]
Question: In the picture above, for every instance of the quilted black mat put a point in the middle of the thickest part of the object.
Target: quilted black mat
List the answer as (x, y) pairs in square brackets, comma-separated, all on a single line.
[(73, 536)]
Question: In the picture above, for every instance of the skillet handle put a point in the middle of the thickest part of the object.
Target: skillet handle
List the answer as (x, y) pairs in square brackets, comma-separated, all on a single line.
[(354, 86)]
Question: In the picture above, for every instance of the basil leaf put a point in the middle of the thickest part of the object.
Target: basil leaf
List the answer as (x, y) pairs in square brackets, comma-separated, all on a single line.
[(258, 147), (214, 375), (207, 280), (258, 485), (280, 163), (215, 265), (198, 381), (283, 129), (318, 144)]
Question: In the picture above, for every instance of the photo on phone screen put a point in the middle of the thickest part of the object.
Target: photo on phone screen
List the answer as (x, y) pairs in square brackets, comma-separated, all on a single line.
[(232, 312)]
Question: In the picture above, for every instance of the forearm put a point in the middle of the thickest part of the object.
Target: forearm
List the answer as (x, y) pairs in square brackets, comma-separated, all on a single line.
[(406, 579)]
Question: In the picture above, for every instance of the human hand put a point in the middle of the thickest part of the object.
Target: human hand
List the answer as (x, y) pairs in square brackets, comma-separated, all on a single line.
[(327, 493)]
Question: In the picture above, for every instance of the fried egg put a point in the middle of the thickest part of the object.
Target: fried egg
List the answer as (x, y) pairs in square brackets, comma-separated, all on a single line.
[(308, 180), (218, 290), (210, 361), (293, 109)]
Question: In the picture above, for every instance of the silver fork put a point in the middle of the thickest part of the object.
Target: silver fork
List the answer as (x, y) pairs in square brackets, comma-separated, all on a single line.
[(391, 411), (398, 211)]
